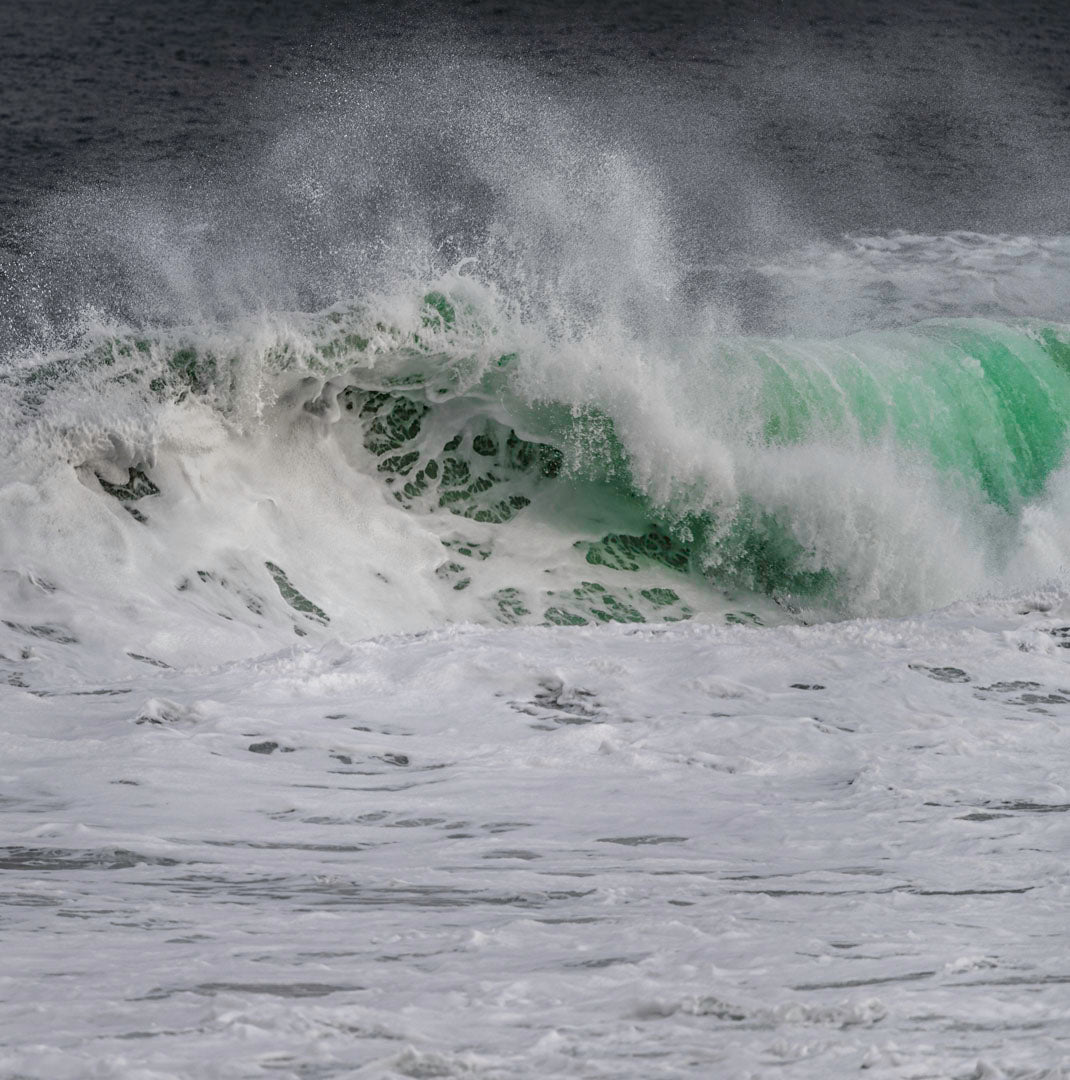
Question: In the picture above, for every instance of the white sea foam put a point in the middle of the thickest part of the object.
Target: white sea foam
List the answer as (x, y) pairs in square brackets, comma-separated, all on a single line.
[(638, 851)]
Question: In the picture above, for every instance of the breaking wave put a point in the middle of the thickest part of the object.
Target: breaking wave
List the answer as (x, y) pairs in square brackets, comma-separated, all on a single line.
[(531, 408), (441, 456)]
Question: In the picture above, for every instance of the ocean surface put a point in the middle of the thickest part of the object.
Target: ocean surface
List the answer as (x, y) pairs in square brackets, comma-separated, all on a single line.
[(534, 541)]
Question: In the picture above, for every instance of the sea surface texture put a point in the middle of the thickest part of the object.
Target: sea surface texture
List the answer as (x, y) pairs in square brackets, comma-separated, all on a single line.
[(534, 542)]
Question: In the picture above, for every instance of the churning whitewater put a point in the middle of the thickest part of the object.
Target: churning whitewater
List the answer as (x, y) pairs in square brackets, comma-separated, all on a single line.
[(454, 644), (479, 374), (438, 457)]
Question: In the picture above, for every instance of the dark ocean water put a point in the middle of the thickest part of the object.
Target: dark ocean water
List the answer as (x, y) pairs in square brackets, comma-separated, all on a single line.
[(951, 114), (766, 126)]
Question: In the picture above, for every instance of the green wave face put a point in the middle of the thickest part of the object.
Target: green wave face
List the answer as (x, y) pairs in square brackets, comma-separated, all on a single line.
[(975, 412), (981, 409), (854, 466), (985, 401)]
